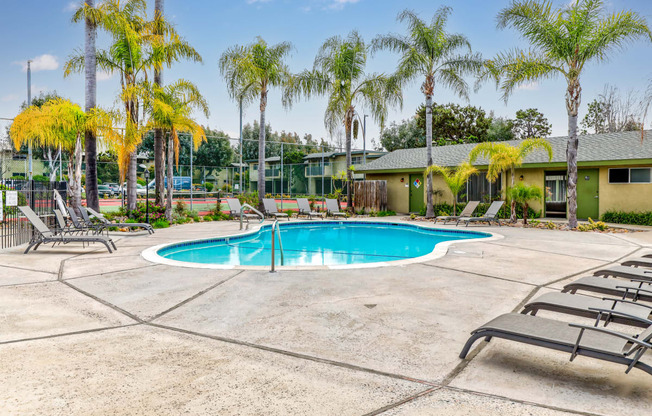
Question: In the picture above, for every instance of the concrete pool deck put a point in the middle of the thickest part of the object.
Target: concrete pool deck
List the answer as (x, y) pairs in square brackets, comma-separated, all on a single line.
[(83, 331)]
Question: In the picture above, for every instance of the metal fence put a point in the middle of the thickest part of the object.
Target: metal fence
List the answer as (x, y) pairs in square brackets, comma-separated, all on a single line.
[(14, 229)]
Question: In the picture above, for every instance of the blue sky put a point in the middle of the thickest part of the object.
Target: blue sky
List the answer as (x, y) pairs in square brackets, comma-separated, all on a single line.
[(41, 30)]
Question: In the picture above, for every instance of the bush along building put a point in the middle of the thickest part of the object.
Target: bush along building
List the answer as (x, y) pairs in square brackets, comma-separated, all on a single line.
[(614, 177)]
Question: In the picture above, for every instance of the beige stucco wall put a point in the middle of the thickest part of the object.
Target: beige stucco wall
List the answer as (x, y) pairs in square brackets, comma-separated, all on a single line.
[(628, 197), (530, 177), (398, 195)]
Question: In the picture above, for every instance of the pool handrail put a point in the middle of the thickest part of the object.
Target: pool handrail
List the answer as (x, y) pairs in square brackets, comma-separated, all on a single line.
[(275, 228), (242, 208)]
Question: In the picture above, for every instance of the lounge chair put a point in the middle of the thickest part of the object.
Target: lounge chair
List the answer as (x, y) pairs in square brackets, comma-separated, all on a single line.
[(630, 313), (626, 272), (636, 289), (235, 208), (108, 223), (333, 209), (595, 342), (62, 225), (272, 211), (489, 217), (43, 235), (638, 262), (466, 212), (304, 209)]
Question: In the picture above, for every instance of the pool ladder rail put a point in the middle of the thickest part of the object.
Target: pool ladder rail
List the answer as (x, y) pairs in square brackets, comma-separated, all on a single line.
[(275, 231), (247, 206)]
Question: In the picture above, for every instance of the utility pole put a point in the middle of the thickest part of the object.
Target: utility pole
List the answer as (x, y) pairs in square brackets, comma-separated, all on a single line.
[(192, 144), (364, 139), (281, 176), (29, 102)]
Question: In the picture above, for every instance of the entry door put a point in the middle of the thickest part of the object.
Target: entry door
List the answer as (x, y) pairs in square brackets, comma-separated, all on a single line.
[(588, 202), (417, 185)]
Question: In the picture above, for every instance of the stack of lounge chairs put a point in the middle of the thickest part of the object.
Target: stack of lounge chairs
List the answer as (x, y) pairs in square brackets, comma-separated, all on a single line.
[(628, 302)]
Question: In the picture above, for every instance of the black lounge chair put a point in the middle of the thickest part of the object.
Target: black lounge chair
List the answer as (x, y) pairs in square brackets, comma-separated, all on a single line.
[(304, 209), (272, 211), (629, 312), (235, 209), (635, 289), (108, 223), (80, 225), (466, 212), (639, 262), (490, 216), (625, 272), (43, 235), (333, 209), (590, 341)]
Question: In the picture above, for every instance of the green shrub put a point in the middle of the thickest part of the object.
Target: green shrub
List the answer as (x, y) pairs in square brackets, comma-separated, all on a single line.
[(633, 218), (388, 213), (181, 209), (209, 186), (504, 213), (220, 216), (208, 218), (593, 226), (161, 223)]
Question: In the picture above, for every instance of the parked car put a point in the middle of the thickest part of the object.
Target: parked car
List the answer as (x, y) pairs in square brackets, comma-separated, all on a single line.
[(104, 191), (140, 190), (179, 183), (115, 188)]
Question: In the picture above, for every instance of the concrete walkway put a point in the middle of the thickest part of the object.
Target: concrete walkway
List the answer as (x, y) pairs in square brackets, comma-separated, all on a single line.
[(84, 332)]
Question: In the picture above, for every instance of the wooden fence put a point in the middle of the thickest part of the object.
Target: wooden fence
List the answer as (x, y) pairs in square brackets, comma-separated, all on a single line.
[(370, 195)]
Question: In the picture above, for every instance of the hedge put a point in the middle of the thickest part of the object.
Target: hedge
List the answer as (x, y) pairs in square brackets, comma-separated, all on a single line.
[(633, 218)]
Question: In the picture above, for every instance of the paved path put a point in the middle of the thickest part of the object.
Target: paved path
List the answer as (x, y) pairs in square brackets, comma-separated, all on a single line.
[(84, 332)]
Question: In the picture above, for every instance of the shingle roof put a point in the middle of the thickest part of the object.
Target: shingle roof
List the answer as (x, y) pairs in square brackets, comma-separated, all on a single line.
[(592, 148), (370, 153)]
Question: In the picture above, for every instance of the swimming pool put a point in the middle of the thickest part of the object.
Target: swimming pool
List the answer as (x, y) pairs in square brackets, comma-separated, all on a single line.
[(314, 243)]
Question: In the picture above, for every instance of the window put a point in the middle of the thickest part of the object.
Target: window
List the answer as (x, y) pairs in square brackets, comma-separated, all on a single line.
[(356, 160), (556, 188), (630, 175), (478, 188)]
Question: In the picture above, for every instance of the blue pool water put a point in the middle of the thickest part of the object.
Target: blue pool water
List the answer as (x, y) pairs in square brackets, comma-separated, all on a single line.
[(318, 243)]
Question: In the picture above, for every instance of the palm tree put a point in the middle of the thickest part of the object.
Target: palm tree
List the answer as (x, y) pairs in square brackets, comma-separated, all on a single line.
[(250, 71), (170, 110), (503, 157), (90, 15), (522, 194), (563, 41), (455, 178), (137, 47), (60, 123), (159, 142), (430, 53), (339, 73)]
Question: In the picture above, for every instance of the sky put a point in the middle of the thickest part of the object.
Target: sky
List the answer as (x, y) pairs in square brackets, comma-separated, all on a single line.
[(42, 31)]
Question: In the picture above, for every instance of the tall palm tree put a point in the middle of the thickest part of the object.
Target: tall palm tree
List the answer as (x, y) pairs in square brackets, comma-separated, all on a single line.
[(60, 123), (455, 178), (504, 157), (159, 142), (563, 41), (250, 71), (90, 16), (136, 49), (170, 110), (430, 53), (339, 72)]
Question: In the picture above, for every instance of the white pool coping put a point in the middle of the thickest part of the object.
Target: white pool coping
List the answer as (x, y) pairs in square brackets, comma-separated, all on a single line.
[(151, 254)]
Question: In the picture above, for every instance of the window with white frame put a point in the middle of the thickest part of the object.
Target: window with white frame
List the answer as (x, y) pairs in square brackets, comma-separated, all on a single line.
[(630, 175)]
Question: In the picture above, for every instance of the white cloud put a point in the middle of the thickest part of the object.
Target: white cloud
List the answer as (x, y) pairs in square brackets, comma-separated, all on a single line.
[(530, 86), (339, 4), (257, 1), (104, 76), (45, 62), (72, 6)]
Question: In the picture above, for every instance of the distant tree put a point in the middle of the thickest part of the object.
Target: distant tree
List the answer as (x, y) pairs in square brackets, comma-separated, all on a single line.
[(455, 124), (501, 129), (406, 135), (530, 124), (215, 151), (613, 112)]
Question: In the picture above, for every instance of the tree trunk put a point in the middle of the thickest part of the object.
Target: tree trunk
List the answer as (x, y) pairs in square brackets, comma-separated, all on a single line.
[(159, 140), (132, 173), (261, 151), (90, 141), (573, 98), (75, 176), (430, 212), (348, 124), (454, 205), (168, 201), (512, 217), (525, 208)]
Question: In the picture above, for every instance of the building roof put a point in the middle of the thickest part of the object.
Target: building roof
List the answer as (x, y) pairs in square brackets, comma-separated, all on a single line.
[(592, 148), (370, 153)]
